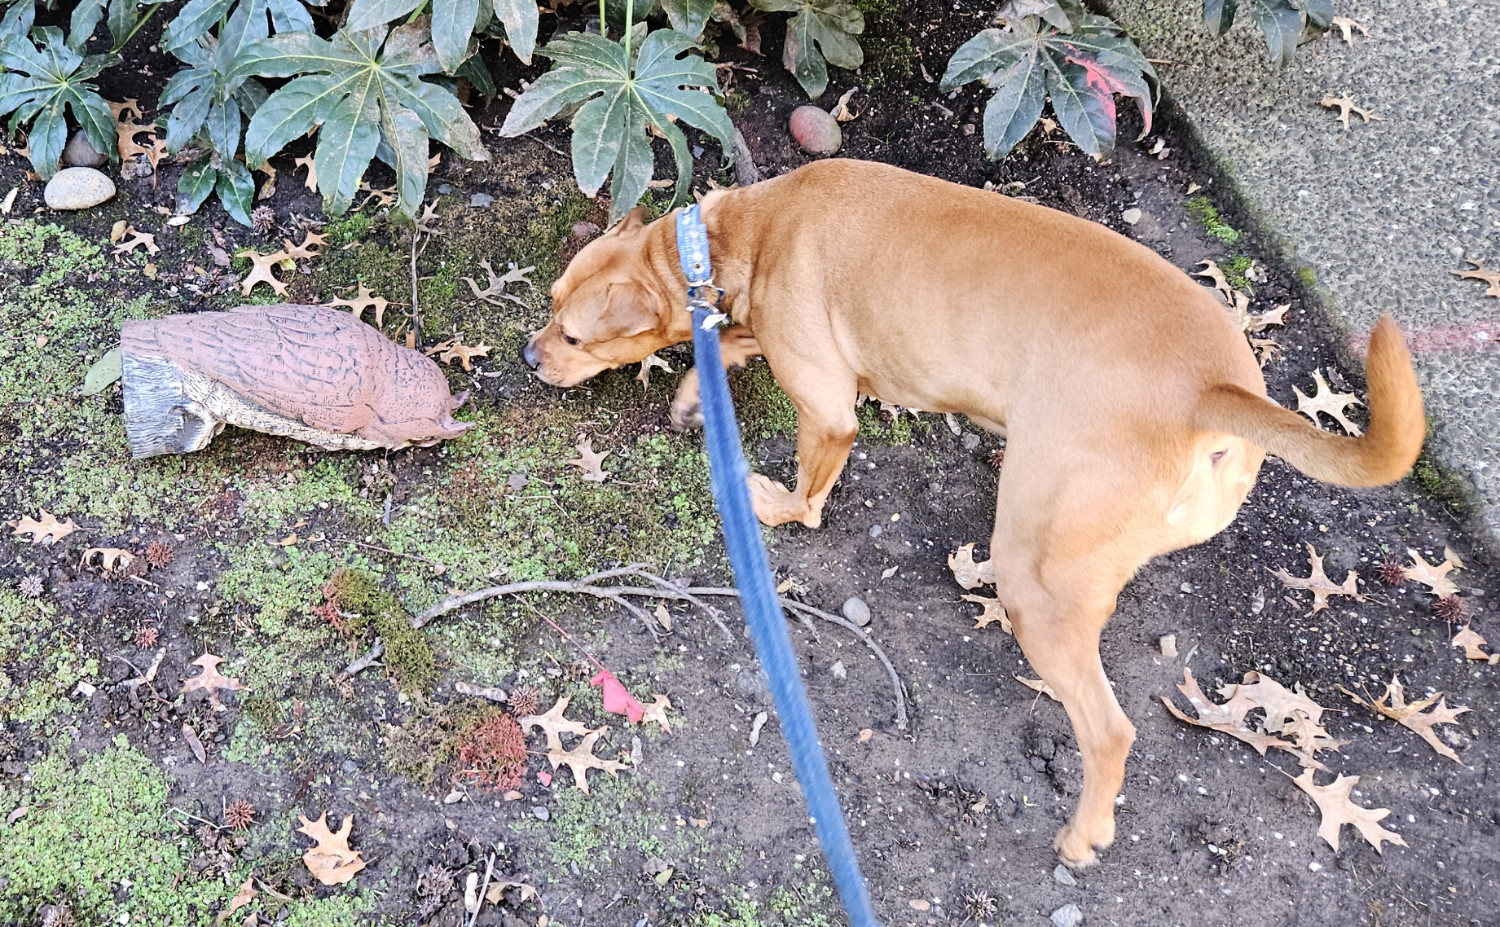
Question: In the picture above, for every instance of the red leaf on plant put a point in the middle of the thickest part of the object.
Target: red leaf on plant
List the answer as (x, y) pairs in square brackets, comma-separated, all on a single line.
[(1106, 85), (617, 700)]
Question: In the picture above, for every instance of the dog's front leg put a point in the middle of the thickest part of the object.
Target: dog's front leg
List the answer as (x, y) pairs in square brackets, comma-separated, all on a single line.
[(736, 346), (826, 427)]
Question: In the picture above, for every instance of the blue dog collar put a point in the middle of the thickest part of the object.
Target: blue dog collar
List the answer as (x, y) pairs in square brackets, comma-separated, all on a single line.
[(692, 250)]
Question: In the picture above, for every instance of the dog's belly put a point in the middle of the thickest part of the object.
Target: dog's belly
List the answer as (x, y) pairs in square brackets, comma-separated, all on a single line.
[(917, 400)]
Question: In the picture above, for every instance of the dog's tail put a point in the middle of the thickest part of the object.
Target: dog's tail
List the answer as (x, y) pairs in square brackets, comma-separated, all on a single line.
[(1383, 455)]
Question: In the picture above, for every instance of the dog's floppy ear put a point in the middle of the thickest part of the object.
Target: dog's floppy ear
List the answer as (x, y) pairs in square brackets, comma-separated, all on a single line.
[(633, 220), (629, 309)]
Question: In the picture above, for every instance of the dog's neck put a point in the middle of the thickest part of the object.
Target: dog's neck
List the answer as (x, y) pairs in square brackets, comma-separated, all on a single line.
[(728, 246)]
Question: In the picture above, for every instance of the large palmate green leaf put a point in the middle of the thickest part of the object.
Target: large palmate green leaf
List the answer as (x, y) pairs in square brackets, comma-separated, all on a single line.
[(822, 29), (198, 17), (453, 22), (363, 91), (1282, 22), (40, 85), (621, 101), (1076, 59), (204, 98)]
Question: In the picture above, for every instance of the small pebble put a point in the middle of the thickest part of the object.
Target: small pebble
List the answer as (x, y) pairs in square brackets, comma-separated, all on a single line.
[(839, 671), (815, 130), (1168, 644), (1063, 876), (541, 812), (875, 531), (480, 200), (80, 152), (1131, 216), (1069, 915), (856, 610), (444, 189), (74, 188)]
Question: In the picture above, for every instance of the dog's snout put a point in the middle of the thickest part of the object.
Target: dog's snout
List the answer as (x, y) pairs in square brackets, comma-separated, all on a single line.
[(528, 356)]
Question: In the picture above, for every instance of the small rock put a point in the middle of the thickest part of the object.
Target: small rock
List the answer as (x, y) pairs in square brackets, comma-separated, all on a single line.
[(1131, 216), (480, 200), (75, 188), (1168, 644), (1069, 915), (875, 531), (541, 813), (80, 152), (444, 189), (516, 482), (856, 610), (838, 670), (1063, 876), (969, 441), (816, 130)]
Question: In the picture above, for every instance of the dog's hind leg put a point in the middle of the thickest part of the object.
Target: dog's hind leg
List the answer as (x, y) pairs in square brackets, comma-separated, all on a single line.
[(736, 346), (1058, 567)]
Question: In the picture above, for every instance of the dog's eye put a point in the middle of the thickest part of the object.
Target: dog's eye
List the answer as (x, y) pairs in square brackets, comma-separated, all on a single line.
[(569, 339), (1215, 457)]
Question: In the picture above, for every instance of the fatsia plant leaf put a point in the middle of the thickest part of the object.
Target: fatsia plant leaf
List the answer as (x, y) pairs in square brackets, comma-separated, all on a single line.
[(689, 16), (1081, 71), (209, 98), (821, 33), (519, 17), (620, 103), (358, 89), (1282, 22), (43, 84)]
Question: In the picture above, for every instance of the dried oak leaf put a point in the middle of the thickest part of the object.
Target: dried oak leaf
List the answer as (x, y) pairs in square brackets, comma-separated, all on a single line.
[(1338, 809), (1393, 705), (362, 300), (240, 899), (590, 461), (553, 724), (581, 759), (132, 239), (46, 531), (993, 612), (1433, 576), (1345, 105), (311, 247), (1039, 685), (261, 271), (455, 350), (312, 172), (210, 681), (111, 559), (1212, 272), (1303, 736), (969, 574), (1326, 401), (1492, 277), (645, 375), (1346, 26), (331, 861), (657, 712), (1319, 584), (495, 290), (1473, 645)]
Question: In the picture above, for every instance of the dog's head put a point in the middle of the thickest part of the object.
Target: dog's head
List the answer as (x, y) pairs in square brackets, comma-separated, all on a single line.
[(604, 312)]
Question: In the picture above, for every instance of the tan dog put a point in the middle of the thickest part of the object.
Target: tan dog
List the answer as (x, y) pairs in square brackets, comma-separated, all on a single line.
[(1135, 412)]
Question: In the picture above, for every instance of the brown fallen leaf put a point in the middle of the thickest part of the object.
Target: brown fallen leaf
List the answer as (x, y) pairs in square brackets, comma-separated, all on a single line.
[(455, 350), (993, 612), (111, 559), (645, 375), (1338, 809), (591, 462), (1346, 25), (524, 892), (553, 724), (494, 291), (1038, 685), (135, 240), (1492, 277), (381, 198), (1393, 705), (581, 759), (261, 271), (969, 574), (311, 247), (1319, 584), (331, 862), (1329, 403), (1303, 736), (312, 172), (1345, 106), (657, 712), (363, 299), (194, 743), (210, 681), (1473, 645), (1433, 576), (1214, 274), (46, 531), (240, 899)]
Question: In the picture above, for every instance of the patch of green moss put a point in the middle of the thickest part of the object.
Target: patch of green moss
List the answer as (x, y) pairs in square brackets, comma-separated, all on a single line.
[(587, 830), (890, 55), (1308, 277), (1235, 269), (374, 612), (1437, 484), (1202, 210), (763, 408), (91, 830)]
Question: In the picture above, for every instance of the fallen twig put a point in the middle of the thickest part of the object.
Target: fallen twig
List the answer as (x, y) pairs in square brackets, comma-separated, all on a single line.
[(659, 588), (369, 659)]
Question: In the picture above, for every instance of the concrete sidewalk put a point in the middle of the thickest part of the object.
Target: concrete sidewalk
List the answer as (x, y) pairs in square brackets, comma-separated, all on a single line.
[(1382, 213)]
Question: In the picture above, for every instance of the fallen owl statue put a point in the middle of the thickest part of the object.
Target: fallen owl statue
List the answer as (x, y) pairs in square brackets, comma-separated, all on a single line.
[(311, 373)]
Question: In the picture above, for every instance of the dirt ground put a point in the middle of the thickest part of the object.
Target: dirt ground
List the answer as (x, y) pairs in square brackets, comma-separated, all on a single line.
[(110, 813)]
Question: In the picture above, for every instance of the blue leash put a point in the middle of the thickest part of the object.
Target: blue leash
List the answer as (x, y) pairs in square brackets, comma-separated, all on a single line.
[(752, 573)]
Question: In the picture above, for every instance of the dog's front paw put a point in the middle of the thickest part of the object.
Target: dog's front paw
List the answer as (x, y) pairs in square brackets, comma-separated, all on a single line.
[(1076, 849), (774, 504), (686, 415)]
